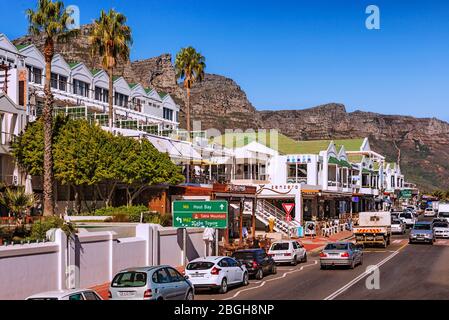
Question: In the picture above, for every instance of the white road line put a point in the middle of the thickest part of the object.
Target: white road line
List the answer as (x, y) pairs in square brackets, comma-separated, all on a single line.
[(264, 282), (360, 277), (397, 241)]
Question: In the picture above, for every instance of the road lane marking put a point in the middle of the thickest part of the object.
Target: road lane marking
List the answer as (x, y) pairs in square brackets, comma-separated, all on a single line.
[(269, 280), (397, 241), (363, 275)]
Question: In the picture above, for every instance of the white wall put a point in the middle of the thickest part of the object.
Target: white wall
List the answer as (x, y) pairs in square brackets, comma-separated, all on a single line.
[(92, 259)]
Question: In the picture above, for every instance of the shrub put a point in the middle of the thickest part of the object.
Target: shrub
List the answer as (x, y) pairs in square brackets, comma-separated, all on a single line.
[(132, 214), (40, 228)]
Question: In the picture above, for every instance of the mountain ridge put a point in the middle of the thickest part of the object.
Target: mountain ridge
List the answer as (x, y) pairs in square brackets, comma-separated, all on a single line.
[(220, 103)]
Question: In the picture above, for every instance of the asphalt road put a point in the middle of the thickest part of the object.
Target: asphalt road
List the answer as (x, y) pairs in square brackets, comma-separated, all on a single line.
[(417, 271)]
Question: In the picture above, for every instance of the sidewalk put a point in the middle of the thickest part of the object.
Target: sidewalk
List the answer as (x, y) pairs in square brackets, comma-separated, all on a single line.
[(315, 245)]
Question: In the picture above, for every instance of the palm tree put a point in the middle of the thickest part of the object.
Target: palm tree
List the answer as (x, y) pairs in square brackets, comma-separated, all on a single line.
[(50, 19), (17, 200), (111, 39), (190, 66)]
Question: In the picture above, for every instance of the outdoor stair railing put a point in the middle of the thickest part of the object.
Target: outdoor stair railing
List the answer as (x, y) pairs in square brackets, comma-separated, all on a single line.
[(265, 211)]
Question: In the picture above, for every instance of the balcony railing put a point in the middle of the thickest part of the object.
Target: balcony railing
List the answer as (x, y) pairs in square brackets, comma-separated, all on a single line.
[(297, 180)]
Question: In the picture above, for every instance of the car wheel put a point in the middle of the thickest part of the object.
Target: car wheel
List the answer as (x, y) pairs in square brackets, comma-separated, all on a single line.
[(190, 295), (323, 267), (352, 266), (259, 274), (245, 281), (274, 269), (224, 286), (295, 261), (304, 259)]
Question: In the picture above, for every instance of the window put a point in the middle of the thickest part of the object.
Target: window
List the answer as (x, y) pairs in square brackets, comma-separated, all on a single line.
[(202, 265), (175, 275), (62, 83), (54, 81), (223, 263), (280, 246), (130, 279), (101, 94), (161, 276), (80, 88), (34, 75), (168, 114), (232, 262), (121, 100), (295, 245), (296, 173), (89, 295), (177, 116), (77, 296)]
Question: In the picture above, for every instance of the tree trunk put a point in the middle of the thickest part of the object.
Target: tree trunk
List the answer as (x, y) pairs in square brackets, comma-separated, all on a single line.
[(188, 112), (111, 98), (47, 116), (188, 131)]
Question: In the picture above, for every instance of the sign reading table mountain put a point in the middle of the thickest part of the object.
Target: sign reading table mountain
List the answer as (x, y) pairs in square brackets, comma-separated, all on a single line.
[(200, 214)]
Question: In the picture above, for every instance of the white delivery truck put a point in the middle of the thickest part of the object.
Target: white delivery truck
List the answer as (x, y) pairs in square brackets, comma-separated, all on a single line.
[(443, 211), (374, 228)]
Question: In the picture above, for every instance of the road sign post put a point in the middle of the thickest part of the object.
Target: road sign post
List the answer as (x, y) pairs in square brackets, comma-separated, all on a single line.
[(199, 214), (288, 208)]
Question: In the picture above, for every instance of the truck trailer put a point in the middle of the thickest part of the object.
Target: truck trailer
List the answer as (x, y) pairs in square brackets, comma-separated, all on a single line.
[(374, 228)]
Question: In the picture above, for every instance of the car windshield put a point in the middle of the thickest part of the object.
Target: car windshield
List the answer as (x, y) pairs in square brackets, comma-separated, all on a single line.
[(336, 246), (200, 265), (443, 214), (422, 227), (406, 215), (243, 255), (396, 221), (441, 225), (130, 279), (280, 246)]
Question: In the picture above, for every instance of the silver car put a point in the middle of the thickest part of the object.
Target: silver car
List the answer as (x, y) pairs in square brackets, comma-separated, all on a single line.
[(151, 283), (341, 254)]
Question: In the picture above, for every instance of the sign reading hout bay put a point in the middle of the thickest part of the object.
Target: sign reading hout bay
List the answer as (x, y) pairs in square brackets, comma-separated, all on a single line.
[(200, 214)]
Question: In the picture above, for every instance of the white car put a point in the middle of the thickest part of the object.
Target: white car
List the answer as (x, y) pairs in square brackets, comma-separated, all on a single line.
[(441, 229), (429, 212), (216, 273), (398, 226), (73, 294), (408, 218), (288, 251)]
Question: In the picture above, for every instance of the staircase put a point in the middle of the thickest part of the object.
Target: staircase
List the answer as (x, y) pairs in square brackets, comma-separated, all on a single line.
[(265, 211)]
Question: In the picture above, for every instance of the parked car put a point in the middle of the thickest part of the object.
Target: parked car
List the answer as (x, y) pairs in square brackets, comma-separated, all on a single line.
[(151, 283), (398, 226), (288, 251), (408, 218), (341, 254), (73, 294), (441, 228), (216, 273), (257, 262), (422, 232), (443, 211), (429, 212)]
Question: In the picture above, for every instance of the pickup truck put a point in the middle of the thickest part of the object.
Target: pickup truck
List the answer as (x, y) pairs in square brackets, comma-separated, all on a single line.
[(374, 228)]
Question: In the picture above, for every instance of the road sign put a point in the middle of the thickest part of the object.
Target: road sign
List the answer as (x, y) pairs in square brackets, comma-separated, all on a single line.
[(200, 214), (288, 218), (288, 208), (406, 194)]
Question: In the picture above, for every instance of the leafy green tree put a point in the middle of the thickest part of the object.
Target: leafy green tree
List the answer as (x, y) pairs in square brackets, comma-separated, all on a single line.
[(111, 39), (438, 194), (50, 19)]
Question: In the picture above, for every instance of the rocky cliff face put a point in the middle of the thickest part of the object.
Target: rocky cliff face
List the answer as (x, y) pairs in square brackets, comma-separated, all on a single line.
[(423, 143), (220, 103)]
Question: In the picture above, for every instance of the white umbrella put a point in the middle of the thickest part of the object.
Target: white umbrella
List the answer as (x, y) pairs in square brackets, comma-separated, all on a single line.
[(28, 185)]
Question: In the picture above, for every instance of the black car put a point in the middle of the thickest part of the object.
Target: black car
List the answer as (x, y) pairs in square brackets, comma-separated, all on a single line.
[(257, 262)]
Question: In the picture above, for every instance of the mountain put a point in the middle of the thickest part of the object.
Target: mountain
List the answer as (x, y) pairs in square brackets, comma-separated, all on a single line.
[(218, 102)]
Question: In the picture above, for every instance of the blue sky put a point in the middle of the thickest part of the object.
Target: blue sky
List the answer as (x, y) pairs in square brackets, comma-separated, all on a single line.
[(297, 54)]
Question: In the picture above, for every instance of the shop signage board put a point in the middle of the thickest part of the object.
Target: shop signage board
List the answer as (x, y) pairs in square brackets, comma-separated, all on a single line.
[(200, 214)]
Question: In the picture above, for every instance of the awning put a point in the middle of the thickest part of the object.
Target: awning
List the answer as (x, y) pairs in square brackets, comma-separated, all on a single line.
[(164, 146), (345, 163), (186, 150), (333, 160)]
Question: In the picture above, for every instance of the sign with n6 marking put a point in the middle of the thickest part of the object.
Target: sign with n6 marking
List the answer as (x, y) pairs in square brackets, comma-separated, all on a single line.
[(200, 214)]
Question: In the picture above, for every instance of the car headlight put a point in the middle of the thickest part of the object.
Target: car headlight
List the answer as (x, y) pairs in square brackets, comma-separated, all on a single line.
[(413, 235)]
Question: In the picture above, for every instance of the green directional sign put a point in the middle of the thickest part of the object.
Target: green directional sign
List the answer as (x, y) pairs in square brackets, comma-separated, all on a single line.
[(200, 214), (406, 194)]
